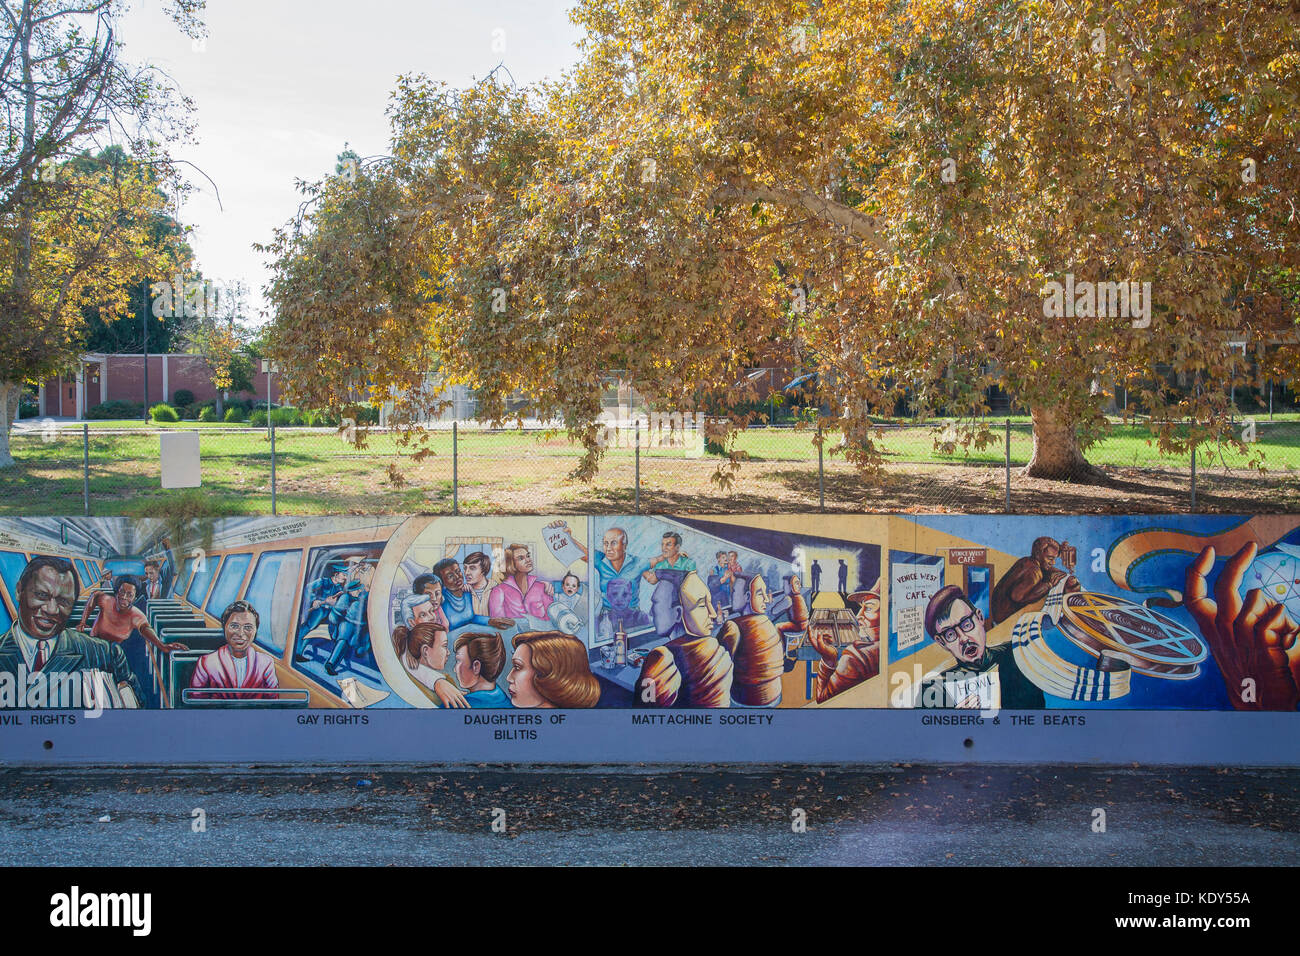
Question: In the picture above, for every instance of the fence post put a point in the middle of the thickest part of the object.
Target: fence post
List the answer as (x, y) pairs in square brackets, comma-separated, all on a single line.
[(638, 465), (455, 469), (85, 465), (271, 422), (821, 472), (1193, 477), (1008, 444)]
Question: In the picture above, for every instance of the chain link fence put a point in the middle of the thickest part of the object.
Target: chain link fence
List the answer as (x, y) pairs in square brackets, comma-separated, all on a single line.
[(463, 468)]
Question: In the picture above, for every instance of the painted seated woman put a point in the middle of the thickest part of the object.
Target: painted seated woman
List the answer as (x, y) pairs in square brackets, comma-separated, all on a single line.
[(480, 659), (238, 664), (550, 669)]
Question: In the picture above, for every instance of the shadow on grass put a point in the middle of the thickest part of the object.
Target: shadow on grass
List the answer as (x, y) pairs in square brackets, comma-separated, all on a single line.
[(31, 489)]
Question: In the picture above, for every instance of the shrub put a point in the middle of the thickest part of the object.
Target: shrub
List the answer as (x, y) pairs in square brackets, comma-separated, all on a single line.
[(162, 412), (182, 397), (283, 417), (236, 414), (207, 414), (114, 409), (318, 418)]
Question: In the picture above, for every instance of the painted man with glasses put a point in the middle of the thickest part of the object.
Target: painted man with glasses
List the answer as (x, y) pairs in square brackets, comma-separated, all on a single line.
[(982, 677)]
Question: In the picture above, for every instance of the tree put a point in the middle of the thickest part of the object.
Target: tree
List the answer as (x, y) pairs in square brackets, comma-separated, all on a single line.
[(73, 235), (357, 305), (125, 333), (917, 198), (219, 332)]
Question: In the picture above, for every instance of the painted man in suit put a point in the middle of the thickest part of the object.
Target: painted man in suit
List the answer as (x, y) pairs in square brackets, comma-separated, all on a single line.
[(40, 642), (154, 587)]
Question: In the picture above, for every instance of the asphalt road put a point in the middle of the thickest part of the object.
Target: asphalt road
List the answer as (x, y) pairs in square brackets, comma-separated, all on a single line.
[(900, 814)]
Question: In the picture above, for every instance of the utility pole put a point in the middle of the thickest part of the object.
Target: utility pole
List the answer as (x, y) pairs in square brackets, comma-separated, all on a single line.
[(771, 397), (269, 368), (144, 325)]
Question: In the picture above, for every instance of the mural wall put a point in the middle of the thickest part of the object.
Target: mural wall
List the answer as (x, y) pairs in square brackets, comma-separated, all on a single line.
[(654, 614)]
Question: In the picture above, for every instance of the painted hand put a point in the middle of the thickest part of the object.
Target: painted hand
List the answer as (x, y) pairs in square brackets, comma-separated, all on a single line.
[(449, 695), (1254, 642)]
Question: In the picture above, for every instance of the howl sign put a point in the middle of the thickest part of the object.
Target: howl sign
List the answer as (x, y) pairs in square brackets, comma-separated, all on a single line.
[(76, 909)]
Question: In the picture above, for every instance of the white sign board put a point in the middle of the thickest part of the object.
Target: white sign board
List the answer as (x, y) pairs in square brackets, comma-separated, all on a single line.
[(914, 579), (180, 460)]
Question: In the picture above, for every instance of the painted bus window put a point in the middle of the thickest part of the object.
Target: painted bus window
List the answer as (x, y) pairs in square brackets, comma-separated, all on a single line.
[(228, 581), (198, 588), (271, 590)]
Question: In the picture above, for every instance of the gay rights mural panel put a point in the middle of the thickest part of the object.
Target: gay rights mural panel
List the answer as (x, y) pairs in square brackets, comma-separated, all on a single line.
[(647, 637)]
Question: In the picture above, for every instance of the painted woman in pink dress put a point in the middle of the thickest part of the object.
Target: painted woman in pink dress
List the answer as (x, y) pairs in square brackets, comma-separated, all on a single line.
[(239, 664), (521, 593)]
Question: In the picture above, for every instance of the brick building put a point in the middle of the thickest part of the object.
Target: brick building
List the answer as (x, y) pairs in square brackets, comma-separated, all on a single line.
[(120, 378)]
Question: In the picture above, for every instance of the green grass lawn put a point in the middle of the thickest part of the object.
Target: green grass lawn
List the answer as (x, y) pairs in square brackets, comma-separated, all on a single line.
[(1127, 444), (317, 472)]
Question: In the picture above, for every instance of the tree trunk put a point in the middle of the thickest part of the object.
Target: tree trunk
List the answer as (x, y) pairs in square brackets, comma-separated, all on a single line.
[(1057, 454), (9, 396)]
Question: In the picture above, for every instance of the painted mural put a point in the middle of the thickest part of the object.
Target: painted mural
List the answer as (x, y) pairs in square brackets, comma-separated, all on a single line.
[(654, 613), (1030, 613)]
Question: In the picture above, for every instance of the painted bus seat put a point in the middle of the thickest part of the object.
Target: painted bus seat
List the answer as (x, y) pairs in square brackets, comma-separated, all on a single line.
[(208, 639), (284, 698), (175, 620)]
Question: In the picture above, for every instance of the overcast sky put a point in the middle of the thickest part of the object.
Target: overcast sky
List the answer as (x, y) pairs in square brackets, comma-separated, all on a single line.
[(280, 86)]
